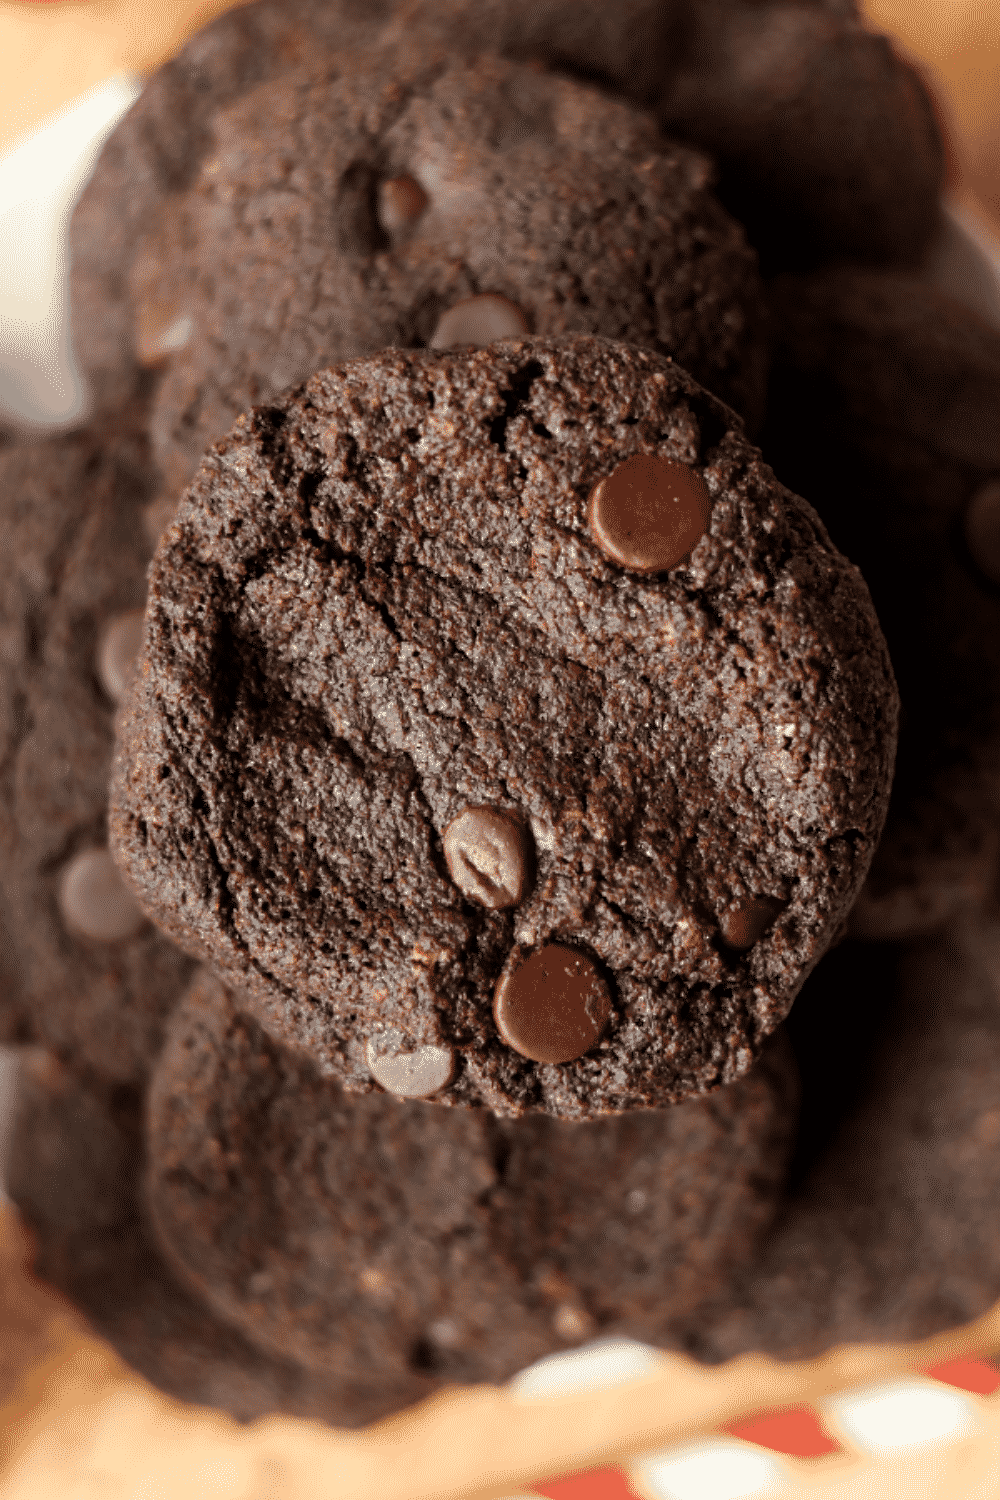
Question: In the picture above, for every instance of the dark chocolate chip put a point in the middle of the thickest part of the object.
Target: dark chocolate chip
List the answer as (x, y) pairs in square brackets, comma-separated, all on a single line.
[(479, 321), (490, 856), (401, 202), (649, 512), (160, 332), (552, 1004), (747, 920)]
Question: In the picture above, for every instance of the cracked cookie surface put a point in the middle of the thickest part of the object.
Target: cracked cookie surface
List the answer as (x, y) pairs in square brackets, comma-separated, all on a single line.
[(381, 605)]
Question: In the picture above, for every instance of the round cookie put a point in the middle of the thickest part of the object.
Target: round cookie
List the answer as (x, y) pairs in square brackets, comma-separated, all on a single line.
[(826, 140), (398, 596), (75, 1172), (157, 149), (406, 199), (369, 1235), (891, 1233), (94, 979), (883, 411)]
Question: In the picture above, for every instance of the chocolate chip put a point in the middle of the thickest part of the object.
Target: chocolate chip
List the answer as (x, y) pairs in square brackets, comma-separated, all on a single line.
[(94, 901), (377, 1284), (551, 1005), (982, 530), (572, 1323), (160, 332), (410, 1075), (746, 921), (649, 513), (401, 202), (117, 650), (490, 856), (478, 321)]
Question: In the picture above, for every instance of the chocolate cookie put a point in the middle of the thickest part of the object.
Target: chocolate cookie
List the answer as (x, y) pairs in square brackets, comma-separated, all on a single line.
[(883, 411), (827, 141), (892, 1232), (406, 199), (372, 1236), (505, 729), (94, 980), (76, 1174), (157, 149)]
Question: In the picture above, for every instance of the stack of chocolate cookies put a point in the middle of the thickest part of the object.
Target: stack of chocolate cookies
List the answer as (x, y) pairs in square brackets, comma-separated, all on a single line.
[(407, 879)]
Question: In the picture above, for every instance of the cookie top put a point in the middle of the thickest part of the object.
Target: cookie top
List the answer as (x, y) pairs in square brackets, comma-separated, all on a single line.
[(94, 977), (407, 199), (551, 584), (158, 147), (373, 1237), (883, 411), (827, 142)]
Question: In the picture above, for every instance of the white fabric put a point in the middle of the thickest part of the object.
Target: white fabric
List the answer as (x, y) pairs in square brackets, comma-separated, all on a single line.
[(592, 1367), (717, 1470), (40, 180), (901, 1414)]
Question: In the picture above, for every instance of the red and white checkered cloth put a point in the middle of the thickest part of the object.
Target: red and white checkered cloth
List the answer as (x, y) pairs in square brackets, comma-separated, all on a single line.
[(778, 1455)]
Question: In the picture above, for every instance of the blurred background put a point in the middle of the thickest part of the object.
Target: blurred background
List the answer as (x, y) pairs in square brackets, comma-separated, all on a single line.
[(70, 68), (957, 42), (52, 52), (67, 73)]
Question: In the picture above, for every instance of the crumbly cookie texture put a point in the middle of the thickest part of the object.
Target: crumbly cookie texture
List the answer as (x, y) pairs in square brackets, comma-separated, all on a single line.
[(369, 1236), (412, 589), (883, 410), (405, 198), (92, 979)]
